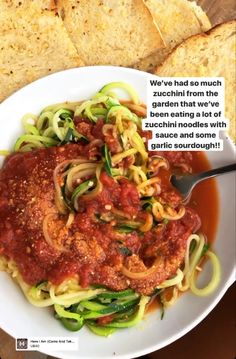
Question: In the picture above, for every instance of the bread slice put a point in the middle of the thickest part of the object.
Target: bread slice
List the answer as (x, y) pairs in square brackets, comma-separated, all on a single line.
[(201, 16), (114, 32), (33, 43), (43, 4), (176, 20), (209, 54)]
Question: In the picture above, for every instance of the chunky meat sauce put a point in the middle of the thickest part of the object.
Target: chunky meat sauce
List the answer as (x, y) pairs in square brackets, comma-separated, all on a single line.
[(94, 250)]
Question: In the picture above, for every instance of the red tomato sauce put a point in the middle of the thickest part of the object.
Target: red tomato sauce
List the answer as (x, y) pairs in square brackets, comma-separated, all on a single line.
[(95, 250)]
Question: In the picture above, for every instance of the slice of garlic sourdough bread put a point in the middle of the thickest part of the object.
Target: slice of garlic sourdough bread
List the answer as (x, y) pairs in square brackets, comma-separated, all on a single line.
[(33, 43), (209, 54), (176, 21), (110, 32)]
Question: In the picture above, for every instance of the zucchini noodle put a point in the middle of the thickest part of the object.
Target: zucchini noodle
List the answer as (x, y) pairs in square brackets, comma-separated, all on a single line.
[(87, 105), (173, 281), (155, 163), (47, 219), (212, 285), (75, 174), (150, 187), (139, 110), (58, 124), (186, 279), (142, 275), (109, 130), (130, 90), (121, 113), (137, 174), (98, 187), (70, 219), (137, 143), (59, 174), (148, 223), (36, 140), (117, 158), (192, 262), (68, 299), (172, 298), (169, 213)]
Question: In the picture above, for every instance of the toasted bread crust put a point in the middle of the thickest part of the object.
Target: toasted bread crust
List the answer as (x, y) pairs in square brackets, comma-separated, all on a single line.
[(176, 20), (208, 54), (110, 32), (33, 43)]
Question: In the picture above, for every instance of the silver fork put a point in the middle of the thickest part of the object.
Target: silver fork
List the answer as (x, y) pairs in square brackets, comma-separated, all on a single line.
[(185, 184)]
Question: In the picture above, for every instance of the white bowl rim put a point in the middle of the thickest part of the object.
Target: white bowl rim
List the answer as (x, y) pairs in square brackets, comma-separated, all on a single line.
[(205, 312)]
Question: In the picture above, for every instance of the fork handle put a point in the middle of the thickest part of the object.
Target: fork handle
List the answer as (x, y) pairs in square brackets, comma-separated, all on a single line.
[(216, 171)]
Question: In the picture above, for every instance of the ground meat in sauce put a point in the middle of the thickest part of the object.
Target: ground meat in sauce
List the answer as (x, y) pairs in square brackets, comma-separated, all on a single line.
[(94, 249)]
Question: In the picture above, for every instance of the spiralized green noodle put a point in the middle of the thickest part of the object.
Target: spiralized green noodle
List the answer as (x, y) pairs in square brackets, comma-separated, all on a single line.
[(107, 89), (79, 178), (213, 284), (170, 282), (186, 279)]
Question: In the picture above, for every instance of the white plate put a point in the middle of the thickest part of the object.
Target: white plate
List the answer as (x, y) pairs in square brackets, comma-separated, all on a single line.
[(20, 319)]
